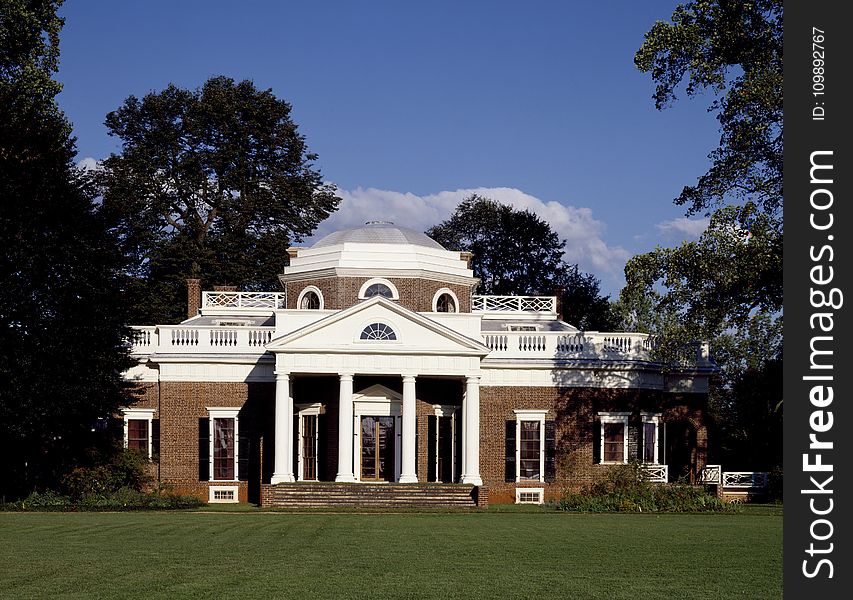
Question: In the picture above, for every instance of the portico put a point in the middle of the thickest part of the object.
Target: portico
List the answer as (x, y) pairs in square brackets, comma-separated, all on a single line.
[(377, 426)]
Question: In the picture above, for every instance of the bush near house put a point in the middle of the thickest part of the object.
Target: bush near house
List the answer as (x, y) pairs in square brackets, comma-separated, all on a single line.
[(626, 488), (121, 484)]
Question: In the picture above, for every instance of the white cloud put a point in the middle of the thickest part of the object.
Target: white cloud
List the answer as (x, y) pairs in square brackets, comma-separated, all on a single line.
[(583, 233), (683, 228), (89, 164)]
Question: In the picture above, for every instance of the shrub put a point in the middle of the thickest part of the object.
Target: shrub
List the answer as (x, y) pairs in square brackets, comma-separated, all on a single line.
[(626, 489), (127, 469)]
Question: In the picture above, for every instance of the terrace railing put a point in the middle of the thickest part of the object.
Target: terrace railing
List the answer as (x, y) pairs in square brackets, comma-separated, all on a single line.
[(255, 300), (656, 473), (514, 304), (634, 346), (212, 339)]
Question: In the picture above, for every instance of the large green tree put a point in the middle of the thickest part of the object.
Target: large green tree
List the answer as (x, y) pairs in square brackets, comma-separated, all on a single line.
[(62, 330), (516, 252), (214, 183), (723, 285)]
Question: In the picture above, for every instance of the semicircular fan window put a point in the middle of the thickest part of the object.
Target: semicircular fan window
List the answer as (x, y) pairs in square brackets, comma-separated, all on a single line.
[(378, 331)]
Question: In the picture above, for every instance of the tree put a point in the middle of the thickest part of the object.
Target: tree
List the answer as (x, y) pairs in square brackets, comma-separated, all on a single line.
[(62, 332), (515, 252), (214, 183), (725, 287), (733, 49)]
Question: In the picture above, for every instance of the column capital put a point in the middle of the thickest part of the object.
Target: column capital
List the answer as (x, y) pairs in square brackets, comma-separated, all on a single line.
[(345, 376), (282, 374), (409, 378), (473, 379)]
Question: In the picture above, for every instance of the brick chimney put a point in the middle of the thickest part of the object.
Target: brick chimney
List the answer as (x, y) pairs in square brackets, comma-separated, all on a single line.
[(466, 256), (193, 297)]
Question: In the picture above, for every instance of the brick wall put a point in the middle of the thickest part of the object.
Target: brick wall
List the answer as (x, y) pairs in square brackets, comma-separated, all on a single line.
[(342, 292), (574, 410)]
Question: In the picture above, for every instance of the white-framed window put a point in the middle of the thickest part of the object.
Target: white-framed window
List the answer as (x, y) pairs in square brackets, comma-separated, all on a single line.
[(138, 429), (306, 457), (529, 495), (530, 446), (224, 437), (378, 332), (445, 300), (614, 437), (378, 287), (649, 438), (223, 493), (311, 298)]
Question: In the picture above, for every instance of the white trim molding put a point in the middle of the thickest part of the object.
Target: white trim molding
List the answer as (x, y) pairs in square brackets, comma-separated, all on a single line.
[(218, 412), (535, 416), (139, 414), (614, 418)]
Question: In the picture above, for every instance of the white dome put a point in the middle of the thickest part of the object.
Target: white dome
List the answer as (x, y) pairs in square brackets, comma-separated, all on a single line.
[(379, 232)]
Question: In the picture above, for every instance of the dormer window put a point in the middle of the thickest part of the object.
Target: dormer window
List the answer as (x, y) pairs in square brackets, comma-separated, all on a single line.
[(378, 331)]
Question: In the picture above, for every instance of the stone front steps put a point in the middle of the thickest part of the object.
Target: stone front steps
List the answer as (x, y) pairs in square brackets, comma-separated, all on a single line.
[(368, 495)]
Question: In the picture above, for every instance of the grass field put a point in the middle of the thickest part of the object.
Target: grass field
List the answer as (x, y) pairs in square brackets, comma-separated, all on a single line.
[(492, 554)]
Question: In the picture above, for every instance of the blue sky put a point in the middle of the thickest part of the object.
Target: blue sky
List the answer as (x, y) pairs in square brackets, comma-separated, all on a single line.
[(411, 106)]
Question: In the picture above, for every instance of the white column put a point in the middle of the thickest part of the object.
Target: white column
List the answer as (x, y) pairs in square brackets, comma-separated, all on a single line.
[(463, 442), (345, 433), (407, 470), (471, 404), (283, 430)]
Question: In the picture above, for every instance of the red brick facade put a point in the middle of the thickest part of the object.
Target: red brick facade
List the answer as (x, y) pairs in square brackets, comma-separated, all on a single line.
[(182, 410), (342, 292)]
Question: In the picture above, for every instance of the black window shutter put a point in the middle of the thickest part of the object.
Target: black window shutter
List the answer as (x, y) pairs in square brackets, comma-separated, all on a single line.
[(204, 449), (662, 443), (550, 451), (432, 423), (509, 452), (596, 442), (296, 447), (244, 454), (155, 438)]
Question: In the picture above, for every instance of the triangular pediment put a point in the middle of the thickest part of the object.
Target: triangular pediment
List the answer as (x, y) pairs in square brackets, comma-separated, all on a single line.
[(392, 329), (377, 393)]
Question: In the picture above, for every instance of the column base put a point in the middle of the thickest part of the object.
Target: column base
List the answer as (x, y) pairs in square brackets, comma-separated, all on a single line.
[(408, 479), (283, 478), (345, 478), (472, 480)]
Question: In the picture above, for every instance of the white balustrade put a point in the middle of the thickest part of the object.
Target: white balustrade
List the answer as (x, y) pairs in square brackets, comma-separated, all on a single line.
[(523, 304), (711, 474), (613, 346), (200, 339), (262, 300), (656, 473), (744, 479)]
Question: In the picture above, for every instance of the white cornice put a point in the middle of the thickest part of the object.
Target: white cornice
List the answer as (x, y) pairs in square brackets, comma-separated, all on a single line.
[(332, 272)]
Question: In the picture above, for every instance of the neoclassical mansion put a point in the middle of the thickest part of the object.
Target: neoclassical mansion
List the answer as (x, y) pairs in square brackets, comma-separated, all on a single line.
[(377, 372)]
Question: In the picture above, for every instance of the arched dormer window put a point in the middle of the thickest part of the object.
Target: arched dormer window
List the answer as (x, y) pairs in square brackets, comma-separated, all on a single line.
[(378, 287), (445, 301), (378, 331), (311, 298)]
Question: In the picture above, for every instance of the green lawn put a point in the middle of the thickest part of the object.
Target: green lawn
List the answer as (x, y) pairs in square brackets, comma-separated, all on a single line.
[(491, 554)]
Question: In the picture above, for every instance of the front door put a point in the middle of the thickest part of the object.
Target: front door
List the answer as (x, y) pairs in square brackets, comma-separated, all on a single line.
[(377, 448)]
